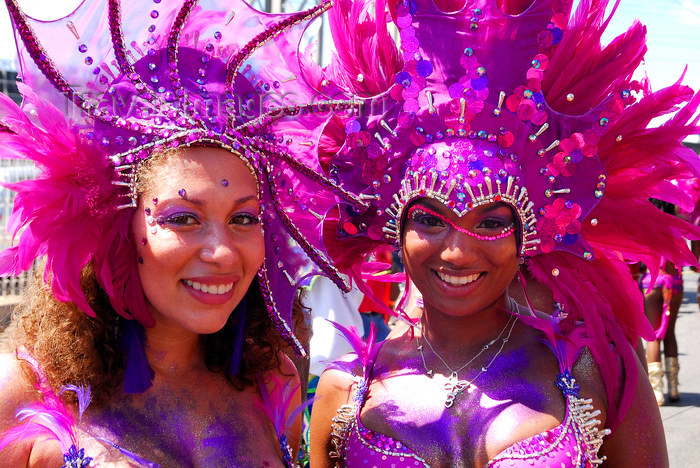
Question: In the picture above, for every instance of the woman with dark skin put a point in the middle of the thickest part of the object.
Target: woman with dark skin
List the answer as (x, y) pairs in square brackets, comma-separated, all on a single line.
[(499, 137), (662, 302), (463, 281)]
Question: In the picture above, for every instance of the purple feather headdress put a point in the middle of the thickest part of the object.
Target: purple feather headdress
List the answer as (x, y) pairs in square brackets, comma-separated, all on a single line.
[(136, 80), (485, 101)]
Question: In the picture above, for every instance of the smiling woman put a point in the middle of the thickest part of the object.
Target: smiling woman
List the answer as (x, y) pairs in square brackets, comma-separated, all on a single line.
[(201, 243), (159, 332), (460, 264), (505, 152), (199, 246)]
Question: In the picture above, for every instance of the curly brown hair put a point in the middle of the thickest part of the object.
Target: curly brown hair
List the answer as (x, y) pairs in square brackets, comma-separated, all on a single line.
[(76, 349)]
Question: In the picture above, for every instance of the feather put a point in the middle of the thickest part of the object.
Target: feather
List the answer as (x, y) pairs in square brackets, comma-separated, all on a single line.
[(276, 404), (67, 212), (366, 351), (84, 396), (48, 418), (582, 67), (140, 460)]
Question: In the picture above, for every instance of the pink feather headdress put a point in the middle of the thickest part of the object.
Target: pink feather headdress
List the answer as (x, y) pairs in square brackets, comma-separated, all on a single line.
[(517, 102), (135, 80)]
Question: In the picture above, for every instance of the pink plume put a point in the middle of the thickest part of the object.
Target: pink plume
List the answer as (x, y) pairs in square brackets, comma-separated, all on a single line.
[(49, 418), (277, 402), (582, 67), (68, 212), (363, 46), (366, 351), (605, 286)]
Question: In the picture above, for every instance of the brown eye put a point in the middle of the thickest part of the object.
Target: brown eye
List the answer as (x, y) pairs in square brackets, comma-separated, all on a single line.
[(426, 219), (244, 219), (179, 219), (492, 224)]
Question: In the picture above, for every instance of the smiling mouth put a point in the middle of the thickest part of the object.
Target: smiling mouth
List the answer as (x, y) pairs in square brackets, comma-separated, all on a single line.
[(458, 280), (209, 288)]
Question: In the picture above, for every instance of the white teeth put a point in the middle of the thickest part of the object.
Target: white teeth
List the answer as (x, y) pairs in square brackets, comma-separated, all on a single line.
[(458, 280), (211, 288)]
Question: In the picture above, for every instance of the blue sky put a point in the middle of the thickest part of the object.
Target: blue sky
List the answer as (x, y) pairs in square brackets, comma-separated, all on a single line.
[(673, 28)]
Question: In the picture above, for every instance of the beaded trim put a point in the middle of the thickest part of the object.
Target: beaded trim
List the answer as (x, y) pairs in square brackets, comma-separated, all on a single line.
[(340, 429), (275, 316), (580, 418), (347, 421), (415, 185)]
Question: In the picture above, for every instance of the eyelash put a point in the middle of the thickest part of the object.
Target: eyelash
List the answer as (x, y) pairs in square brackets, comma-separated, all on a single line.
[(188, 219), (426, 219), (431, 221), (250, 219), (492, 223), (178, 219)]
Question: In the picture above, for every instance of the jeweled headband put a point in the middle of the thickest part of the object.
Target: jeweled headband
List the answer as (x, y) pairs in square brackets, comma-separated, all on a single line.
[(140, 77)]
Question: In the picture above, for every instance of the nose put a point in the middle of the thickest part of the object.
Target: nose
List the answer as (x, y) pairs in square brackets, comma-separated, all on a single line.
[(459, 248), (220, 246)]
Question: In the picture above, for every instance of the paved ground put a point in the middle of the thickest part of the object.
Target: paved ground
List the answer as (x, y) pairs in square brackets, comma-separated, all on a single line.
[(682, 419)]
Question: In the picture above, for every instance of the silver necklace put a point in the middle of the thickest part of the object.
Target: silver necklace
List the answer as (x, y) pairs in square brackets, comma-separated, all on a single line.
[(454, 386)]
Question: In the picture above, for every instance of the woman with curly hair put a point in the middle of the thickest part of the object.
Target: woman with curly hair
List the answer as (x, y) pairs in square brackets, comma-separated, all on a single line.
[(158, 331)]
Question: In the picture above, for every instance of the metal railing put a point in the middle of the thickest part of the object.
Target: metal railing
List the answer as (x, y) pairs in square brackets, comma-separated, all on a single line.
[(12, 171)]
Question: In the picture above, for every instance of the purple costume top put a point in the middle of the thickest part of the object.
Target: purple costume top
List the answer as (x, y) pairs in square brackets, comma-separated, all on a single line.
[(573, 443)]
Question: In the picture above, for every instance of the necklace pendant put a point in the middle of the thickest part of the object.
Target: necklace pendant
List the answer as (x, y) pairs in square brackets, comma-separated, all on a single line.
[(454, 387), (429, 372), (453, 390)]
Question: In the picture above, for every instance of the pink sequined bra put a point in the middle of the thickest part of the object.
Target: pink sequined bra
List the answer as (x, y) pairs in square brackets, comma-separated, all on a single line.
[(573, 443)]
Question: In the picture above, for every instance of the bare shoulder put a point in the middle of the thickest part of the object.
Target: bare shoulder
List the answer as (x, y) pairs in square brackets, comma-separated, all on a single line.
[(639, 440), (15, 388), (333, 391), (16, 392)]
